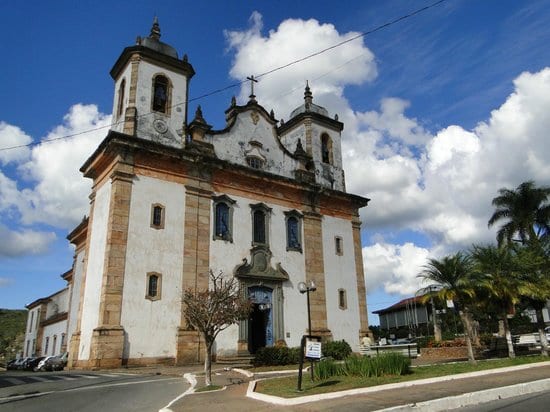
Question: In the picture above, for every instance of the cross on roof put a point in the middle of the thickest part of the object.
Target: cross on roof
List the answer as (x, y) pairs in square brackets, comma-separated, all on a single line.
[(252, 81)]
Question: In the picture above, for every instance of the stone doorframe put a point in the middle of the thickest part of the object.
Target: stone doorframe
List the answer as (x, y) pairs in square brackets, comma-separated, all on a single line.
[(277, 301), (259, 272)]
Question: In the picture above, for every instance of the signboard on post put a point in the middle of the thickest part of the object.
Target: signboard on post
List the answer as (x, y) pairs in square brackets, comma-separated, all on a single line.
[(313, 349)]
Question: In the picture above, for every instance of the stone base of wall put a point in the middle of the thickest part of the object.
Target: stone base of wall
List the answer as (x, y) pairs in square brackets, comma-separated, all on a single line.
[(152, 361), (190, 347), (107, 347), (74, 346)]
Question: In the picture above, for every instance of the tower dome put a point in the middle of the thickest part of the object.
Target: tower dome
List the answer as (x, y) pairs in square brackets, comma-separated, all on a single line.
[(308, 105), (153, 41)]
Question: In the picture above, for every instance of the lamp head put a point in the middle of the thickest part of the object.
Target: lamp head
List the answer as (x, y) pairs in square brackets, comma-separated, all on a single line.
[(302, 287)]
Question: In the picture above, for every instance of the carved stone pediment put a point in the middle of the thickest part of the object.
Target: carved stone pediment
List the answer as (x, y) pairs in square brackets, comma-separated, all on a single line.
[(260, 266)]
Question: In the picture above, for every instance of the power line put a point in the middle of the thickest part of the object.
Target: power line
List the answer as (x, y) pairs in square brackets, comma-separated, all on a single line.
[(237, 84)]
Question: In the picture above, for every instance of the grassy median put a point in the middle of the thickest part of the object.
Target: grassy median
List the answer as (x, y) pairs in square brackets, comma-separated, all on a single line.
[(286, 387)]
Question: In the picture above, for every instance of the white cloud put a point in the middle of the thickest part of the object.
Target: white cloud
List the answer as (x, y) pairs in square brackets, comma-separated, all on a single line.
[(60, 194), (17, 243), (438, 184), (12, 136), (4, 282), (292, 40), (394, 267)]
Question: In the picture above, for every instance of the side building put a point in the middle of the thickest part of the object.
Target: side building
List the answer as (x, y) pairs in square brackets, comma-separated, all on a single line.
[(262, 200)]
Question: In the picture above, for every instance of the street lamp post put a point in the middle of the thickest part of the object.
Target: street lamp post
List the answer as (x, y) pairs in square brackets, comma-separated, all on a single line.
[(306, 288)]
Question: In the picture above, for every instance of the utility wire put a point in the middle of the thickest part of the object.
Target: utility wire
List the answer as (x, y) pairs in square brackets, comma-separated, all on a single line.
[(237, 84)]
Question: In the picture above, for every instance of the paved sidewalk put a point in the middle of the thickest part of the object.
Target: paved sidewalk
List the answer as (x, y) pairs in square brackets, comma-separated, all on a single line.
[(233, 398)]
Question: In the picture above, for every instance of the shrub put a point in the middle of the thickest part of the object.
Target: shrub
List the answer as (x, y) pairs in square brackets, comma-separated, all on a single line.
[(276, 355), (338, 350), (327, 368)]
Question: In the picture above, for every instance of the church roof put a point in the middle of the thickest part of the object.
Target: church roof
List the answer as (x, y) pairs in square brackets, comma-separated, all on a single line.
[(153, 41), (308, 105)]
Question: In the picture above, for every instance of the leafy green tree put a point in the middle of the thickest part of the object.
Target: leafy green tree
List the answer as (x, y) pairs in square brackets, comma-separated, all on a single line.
[(213, 310), (525, 212), (450, 278), (496, 270), (534, 261)]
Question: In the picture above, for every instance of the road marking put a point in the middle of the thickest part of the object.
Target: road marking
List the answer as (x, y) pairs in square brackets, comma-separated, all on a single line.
[(87, 376), (192, 381), (14, 381), (34, 395), (39, 378)]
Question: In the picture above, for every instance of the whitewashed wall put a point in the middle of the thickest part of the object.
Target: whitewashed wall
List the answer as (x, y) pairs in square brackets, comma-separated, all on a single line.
[(225, 256), (94, 271), (58, 303), (151, 326), (340, 274), (75, 293), (50, 331), (234, 145), (33, 318)]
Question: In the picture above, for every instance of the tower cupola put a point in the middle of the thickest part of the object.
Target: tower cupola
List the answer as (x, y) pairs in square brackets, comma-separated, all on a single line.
[(151, 90)]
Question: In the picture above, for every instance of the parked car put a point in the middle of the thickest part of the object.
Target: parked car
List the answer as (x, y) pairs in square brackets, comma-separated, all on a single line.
[(20, 364), (12, 365), (42, 365), (51, 363), (31, 363)]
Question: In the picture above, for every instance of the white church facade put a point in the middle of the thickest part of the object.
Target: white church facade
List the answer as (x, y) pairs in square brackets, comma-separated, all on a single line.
[(261, 200)]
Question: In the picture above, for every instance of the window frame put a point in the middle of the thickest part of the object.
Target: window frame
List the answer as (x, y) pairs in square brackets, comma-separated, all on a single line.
[(120, 103), (162, 208), (326, 149), (342, 299), (255, 162), (263, 208), (230, 203), (168, 102), (294, 214), (338, 245), (158, 291)]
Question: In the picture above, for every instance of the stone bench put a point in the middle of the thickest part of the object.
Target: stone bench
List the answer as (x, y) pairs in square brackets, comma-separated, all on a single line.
[(409, 350)]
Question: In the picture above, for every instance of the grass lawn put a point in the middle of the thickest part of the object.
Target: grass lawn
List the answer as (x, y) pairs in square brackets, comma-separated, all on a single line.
[(286, 387)]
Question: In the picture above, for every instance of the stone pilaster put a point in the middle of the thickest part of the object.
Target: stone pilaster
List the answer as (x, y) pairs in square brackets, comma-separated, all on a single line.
[(130, 115), (196, 263), (361, 288), (313, 252), (107, 342), (74, 345)]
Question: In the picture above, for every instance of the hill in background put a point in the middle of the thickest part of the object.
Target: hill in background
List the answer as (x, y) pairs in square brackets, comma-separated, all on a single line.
[(12, 332)]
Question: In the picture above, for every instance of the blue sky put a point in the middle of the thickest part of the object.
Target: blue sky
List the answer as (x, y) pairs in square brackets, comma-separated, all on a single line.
[(441, 110)]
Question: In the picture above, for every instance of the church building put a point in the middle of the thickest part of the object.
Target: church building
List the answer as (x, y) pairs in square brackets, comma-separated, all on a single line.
[(263, 200)]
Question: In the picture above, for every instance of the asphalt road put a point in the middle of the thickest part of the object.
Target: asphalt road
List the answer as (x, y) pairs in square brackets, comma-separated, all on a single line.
[(87, 391)]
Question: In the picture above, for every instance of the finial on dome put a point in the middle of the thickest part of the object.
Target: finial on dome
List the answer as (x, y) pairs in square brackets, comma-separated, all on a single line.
[(308, 96), (155, 30)]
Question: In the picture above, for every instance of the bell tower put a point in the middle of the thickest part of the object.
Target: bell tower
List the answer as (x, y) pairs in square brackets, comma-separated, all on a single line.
[(151, 91)]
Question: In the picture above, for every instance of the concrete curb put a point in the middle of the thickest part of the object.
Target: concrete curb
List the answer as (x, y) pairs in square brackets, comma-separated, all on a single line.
[(334, 395), (474, 398)]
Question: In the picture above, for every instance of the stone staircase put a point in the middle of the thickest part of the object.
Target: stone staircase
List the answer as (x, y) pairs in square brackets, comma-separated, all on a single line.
[(242, 361)]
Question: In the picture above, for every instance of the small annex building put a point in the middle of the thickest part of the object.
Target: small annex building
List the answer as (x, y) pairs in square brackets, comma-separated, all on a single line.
[(261, 200)]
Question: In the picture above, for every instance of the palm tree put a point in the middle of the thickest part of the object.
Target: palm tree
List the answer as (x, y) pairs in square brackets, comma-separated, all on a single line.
[(534, 263), (526, 213), (450, 277), (495, 269)]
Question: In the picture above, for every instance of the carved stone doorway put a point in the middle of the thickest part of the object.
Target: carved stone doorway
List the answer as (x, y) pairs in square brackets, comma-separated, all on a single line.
[(260, 324)]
